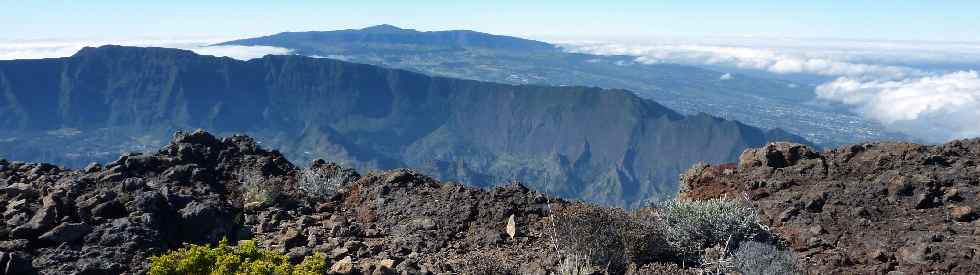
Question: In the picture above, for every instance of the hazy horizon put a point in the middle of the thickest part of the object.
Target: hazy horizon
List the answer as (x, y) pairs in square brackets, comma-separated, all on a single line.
[(947, 21)]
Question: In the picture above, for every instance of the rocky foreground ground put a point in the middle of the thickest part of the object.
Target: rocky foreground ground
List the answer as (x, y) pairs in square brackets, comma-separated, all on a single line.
[(111, 219), (864, 209)]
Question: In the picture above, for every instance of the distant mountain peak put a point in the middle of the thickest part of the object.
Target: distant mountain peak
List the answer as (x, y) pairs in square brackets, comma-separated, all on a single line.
[(390, 34), (384, 28)]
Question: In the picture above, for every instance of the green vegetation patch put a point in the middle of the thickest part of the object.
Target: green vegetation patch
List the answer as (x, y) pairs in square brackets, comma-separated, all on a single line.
[(244, 259)]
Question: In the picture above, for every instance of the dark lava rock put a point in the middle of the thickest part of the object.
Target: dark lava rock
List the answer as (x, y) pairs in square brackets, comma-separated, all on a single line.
[(776, 155), (110, 220), (66, 233), (206, 222), (109, 210), (43, 219), (815, 202), (963, 213), (17, 263)]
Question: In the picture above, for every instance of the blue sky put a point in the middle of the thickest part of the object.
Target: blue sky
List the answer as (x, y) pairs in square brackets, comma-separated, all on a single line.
[(862, 19)]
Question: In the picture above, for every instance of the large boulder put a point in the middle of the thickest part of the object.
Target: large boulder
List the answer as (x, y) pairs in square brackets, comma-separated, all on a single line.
[(206, 222), (66, 233), (43, 219), (776, 155)]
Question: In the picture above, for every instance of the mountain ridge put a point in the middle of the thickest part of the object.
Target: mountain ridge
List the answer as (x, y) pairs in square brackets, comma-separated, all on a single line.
[(391, 34), (607, 146), (760, 102)]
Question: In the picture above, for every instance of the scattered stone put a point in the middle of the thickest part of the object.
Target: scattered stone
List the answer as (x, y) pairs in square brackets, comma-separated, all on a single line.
[(44, 219), (425, 223), (815, 202), (19, 189), (398, 177), (776, 155), (387, 263), (815, 242), (344, 266), (407, 267), (963, 213), (952, 194), (93, 168), (900, 186), (860, 211), (293, 238), (917, 254), (109, 210), (788, 214), (18, 263), (339, 252), (926, 199), (878, 255), (817, 230), (511, 227), (382, 270), (13, 245), (66, 233)]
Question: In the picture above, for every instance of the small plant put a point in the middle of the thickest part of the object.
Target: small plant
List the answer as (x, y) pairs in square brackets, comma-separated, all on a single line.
[(592, 238), (325, 180), (573, 264), (244, 259), (692, 226), (755, 258), (256, 189), (716, 261)]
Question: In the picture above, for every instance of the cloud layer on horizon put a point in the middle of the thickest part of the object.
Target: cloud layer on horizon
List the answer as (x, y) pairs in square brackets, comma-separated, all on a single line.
[(34, 49), (765, 59), (935, 108), (900, 84)]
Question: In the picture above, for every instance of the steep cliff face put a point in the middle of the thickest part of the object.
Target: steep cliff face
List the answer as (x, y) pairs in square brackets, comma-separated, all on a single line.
[(862, 209), (607, 146)]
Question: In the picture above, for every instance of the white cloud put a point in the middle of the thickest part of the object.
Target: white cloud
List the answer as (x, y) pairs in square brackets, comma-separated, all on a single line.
[(239, 52), (928, 90), (726, 76), (935, 108), (34, 49), (765, 59)]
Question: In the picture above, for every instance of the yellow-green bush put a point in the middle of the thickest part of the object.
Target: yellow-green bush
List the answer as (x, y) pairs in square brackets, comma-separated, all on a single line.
[(244, 259)]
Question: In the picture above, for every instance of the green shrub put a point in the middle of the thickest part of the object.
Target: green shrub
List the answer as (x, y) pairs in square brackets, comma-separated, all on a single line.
[(692, 226), (244, 259)]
